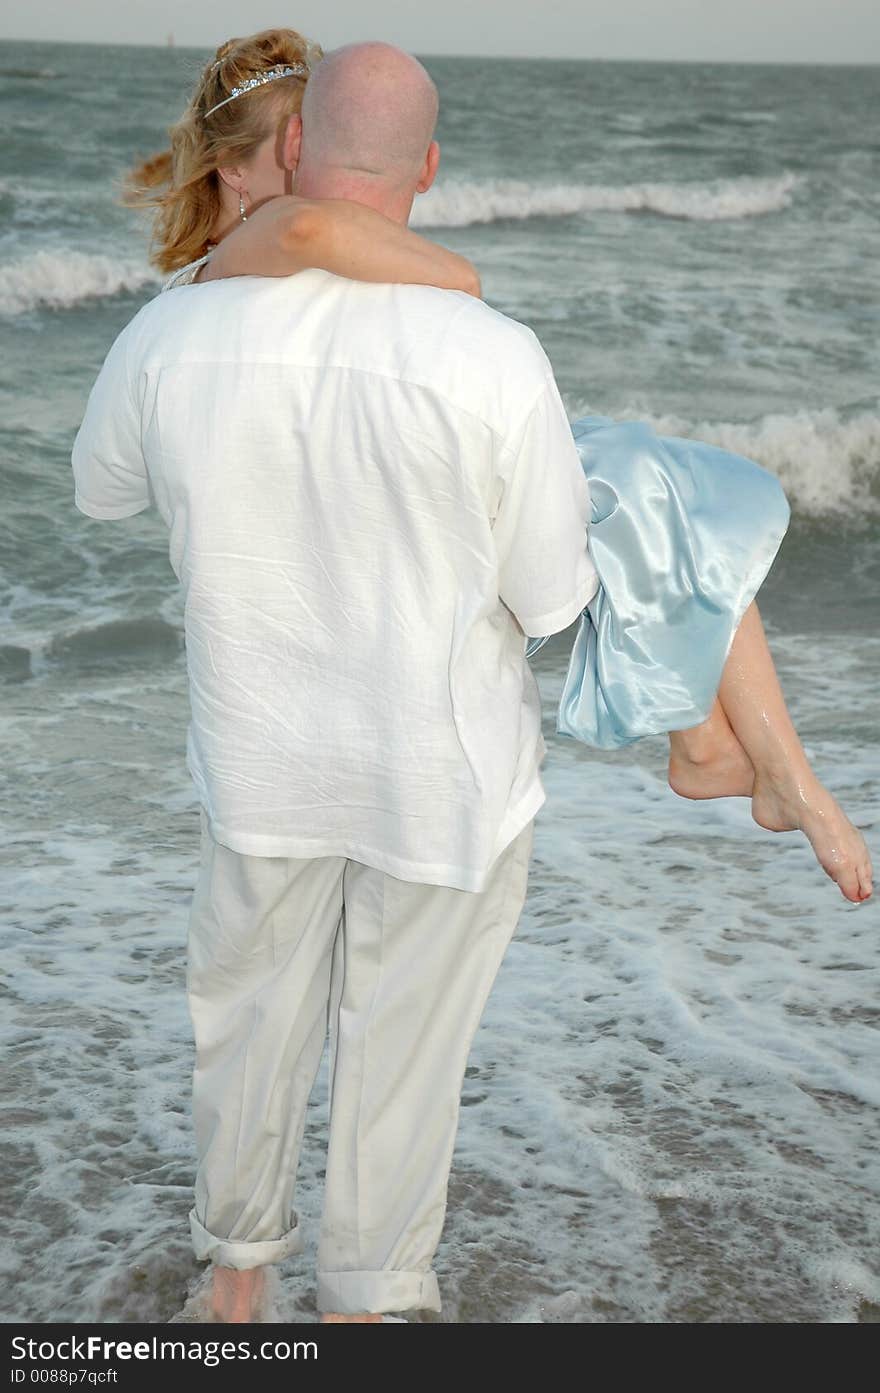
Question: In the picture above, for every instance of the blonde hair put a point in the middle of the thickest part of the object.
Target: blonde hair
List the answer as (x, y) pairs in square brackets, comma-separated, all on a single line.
[(181, 185)]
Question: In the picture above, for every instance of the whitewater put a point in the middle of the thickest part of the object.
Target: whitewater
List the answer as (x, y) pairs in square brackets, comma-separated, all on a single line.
[(458, 203)]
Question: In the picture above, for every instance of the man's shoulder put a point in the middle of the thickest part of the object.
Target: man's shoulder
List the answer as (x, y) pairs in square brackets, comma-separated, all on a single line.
[(455, 333), (162, 306), (120, 356), (468, 315), (173, 315)]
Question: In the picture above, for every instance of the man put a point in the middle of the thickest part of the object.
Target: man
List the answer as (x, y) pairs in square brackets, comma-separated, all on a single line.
[(373, 496)]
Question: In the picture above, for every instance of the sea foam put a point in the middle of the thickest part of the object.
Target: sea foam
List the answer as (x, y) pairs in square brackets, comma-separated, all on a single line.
[(62, 279), (460, 203)]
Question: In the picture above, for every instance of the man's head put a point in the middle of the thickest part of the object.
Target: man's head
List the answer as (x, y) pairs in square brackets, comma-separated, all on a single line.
[(368, 118)]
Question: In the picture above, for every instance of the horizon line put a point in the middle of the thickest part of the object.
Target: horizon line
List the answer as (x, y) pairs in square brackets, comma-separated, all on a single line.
[(508, 57)]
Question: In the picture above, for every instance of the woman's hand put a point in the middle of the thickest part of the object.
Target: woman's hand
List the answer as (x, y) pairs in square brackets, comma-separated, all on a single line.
[(290, 234)]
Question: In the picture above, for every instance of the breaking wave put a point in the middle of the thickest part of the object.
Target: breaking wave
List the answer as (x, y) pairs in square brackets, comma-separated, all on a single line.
[(59, 280), (459, 204)]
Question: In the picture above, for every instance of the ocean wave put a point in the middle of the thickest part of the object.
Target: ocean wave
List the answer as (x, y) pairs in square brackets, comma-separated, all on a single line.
[(28, 72), (15, 663), (40, 194), (827, 461), (60, 280), (116, 641), (461, 203)]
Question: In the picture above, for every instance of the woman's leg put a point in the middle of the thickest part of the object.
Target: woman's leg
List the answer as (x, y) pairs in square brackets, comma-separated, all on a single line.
[(751, 714), (708, 761)]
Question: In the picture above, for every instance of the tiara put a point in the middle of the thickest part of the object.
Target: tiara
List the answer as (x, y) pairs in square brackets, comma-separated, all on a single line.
[(292, 70)]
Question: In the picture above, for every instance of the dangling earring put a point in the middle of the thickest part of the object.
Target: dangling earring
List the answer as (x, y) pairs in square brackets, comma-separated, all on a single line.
[(241, 213)]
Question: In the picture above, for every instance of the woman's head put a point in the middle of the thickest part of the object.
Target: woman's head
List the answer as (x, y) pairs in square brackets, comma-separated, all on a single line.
[(189, 184)]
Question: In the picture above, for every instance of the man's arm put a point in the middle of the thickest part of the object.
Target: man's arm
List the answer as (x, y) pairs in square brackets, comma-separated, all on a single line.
[(546, 575), (109, 471)]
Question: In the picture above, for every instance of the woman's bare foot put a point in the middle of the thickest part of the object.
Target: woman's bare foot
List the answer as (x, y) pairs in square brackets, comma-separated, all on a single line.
[(335, 1318), (236, 1295), (800, 803), (708, 761)]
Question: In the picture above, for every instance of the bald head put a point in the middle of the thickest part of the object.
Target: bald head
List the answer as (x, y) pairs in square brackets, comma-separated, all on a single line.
[(368, 117)]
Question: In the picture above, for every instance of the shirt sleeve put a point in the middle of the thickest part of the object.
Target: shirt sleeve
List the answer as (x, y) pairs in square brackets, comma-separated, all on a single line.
[(109, 471), (546, 575)]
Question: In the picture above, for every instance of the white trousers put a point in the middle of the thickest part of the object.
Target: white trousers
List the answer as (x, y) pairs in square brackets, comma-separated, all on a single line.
[(279, 951)]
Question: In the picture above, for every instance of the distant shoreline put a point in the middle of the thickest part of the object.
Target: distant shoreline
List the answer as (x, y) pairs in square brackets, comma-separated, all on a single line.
[(497, 57)]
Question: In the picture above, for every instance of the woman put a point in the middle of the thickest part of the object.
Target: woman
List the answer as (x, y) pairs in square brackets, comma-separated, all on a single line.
[(223, 203)]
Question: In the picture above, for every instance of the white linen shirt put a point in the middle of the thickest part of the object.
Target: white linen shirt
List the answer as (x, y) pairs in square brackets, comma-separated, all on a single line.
[(373, 496)]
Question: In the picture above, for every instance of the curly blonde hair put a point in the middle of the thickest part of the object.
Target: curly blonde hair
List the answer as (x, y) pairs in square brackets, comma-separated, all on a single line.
[(181, 184)]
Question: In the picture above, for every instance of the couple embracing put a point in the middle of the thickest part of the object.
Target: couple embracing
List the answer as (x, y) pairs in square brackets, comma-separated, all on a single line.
[(374, 498)]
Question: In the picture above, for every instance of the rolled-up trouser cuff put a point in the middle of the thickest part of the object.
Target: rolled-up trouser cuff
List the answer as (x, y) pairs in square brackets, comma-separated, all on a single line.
[(354, 1293), (227, 1252)]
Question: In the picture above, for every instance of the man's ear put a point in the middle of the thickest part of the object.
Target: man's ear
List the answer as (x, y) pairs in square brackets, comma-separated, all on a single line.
[(429, 168), (290, 149)]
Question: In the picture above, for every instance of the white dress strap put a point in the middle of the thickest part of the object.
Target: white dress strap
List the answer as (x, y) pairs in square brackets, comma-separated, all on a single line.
[(186, 274)]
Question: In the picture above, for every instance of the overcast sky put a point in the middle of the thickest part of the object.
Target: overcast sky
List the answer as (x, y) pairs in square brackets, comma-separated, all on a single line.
[(734, 30)]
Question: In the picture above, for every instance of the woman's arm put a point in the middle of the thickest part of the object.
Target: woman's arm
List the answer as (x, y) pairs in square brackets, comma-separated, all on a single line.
[(289, 234)]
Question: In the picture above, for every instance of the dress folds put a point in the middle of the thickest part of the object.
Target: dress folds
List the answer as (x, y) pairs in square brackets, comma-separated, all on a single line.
[(682, 537)]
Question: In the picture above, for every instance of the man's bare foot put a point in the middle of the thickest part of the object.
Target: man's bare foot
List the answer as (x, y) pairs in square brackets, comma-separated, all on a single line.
[(333, 1317), (708, 761), (236, 1295), (800, 803)]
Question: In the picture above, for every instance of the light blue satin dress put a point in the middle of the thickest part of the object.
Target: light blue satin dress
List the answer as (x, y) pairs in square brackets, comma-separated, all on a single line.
[(682, 536)]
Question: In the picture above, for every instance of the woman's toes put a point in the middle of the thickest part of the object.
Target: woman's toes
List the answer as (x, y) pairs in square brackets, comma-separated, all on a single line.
[(847, 878), (851, 872)]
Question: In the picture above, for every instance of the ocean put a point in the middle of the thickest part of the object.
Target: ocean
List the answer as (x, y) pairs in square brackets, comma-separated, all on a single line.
[(671, 1110)]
